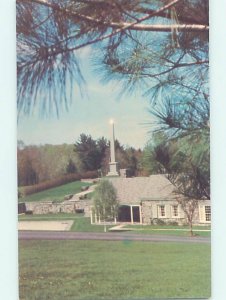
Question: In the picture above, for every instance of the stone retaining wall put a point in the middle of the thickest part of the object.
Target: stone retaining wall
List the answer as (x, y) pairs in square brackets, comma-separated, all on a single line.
[(64, 207)]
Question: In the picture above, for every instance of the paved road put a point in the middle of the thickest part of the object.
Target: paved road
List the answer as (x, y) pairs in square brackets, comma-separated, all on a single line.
[(108, 236)]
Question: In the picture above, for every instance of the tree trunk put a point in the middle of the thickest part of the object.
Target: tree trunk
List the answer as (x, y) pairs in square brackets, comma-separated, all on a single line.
[(190, 226)]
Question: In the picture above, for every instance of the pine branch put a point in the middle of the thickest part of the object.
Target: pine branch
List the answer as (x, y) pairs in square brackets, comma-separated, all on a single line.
[(157, 27), (182, 19), (132, 26), (161, 12)]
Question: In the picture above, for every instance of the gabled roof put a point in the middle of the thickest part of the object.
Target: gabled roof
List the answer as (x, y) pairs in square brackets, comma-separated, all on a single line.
[(133, 190)]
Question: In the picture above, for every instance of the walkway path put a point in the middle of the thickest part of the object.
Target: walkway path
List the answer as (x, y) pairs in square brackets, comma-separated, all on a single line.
[(76, 196), (122, 227)]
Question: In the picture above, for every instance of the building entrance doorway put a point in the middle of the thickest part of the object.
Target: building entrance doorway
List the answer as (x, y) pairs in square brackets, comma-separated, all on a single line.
[(129, 213), (136, 213), (124, 214)]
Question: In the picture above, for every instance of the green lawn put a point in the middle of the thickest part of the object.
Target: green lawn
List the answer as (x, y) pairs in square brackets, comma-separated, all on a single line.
[(73, 270), (82, 224), (150, 227), (174, 232), (51, 217), (170, 230), (56, 194)]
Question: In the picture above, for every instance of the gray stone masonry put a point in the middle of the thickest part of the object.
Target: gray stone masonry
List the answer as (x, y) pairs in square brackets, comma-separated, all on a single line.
[(64, 207)]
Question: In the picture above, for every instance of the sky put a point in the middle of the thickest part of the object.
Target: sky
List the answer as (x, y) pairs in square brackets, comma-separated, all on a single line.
[(91, 115)]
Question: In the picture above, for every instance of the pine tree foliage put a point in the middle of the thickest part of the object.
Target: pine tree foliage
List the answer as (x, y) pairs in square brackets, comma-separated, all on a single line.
[(186, 161), (159, 45), (90, 151)]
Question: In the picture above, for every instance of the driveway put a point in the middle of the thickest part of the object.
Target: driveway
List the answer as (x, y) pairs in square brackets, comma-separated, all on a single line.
[(109, 236)]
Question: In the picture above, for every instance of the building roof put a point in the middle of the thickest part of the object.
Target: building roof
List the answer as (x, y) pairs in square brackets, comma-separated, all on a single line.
[(133, 190)]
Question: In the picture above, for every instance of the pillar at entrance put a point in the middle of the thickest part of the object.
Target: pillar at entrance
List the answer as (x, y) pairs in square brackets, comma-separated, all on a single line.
[(112, 164), (131, 213)]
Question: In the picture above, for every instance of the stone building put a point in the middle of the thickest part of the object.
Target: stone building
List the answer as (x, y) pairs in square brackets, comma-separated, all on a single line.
[(142, 200), (152, 200)]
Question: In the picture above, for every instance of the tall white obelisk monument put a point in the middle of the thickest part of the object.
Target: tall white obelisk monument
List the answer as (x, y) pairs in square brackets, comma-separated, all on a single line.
[(112, 164)]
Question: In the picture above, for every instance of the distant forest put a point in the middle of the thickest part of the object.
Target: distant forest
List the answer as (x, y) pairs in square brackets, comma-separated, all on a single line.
[(37, 164)]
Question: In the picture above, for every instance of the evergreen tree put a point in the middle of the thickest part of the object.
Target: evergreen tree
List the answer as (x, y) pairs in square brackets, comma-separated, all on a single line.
[(71, 168), (161, 46), (158, 46), (90, 152)]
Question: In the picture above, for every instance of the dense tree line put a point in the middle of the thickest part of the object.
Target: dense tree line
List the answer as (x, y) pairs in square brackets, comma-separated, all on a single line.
[(41, 163), (38, 164), (95, 155)]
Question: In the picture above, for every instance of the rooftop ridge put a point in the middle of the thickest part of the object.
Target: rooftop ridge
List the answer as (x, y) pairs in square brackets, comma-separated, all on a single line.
[(133, 189)]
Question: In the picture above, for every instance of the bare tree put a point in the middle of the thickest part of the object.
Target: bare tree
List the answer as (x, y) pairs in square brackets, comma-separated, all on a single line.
[(189, 207)]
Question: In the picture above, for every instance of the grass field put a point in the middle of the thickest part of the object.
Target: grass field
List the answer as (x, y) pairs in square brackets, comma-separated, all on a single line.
[(176, 231), (171, 230), (56, 194), (51, 217), (82, 224), (73, 270)]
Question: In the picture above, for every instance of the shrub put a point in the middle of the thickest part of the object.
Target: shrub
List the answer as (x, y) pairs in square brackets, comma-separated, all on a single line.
[(158, 222), (89, 175), (79, 211), (83, 197), (95, 181), (84, 188), (21, 208), (68, 197), (172, 223), (20, 194)]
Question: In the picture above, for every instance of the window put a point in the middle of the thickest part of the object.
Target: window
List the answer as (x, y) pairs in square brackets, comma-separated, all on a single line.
[(175, 210), (162, 210), (208, 213)]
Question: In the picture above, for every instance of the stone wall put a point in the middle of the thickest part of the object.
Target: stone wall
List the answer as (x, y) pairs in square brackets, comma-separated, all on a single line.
[(149, 210), (64, 207), (151, 214)]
